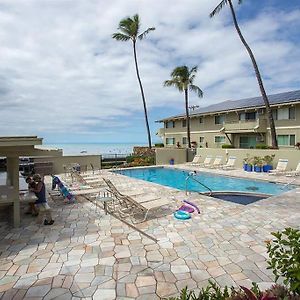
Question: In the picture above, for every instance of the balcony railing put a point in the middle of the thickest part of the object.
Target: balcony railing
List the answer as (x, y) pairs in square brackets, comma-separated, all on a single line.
[(259, 125)]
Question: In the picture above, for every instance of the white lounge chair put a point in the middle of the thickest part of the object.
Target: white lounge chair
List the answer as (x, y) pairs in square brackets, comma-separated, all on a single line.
[(207, 161), (230, 163), (281, 167), (127, 206), (217, 162), (295, 172), (195, 161)]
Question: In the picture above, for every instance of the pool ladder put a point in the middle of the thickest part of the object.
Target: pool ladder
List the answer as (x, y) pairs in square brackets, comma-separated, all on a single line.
[(191, 176)]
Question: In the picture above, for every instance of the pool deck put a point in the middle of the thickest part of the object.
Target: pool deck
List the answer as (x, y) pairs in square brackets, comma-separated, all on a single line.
[(89, 255)]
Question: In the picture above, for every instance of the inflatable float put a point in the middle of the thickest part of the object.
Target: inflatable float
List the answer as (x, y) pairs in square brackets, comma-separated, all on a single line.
[(182, 215)]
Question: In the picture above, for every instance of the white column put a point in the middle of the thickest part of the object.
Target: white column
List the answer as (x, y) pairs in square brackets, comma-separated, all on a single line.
[(13, 177)]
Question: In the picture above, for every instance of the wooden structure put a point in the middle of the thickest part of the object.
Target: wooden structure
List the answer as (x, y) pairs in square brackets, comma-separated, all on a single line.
[(13, 148)]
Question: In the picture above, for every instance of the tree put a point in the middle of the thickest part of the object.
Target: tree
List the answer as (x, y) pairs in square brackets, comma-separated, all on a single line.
[(255, 66), (130, 30), (182, 79)]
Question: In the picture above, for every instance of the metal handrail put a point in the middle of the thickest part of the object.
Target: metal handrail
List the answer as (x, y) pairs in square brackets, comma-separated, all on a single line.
[(191, 176)]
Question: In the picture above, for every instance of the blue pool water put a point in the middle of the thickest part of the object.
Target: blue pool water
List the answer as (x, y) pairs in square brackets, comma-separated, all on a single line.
[(176, 178)]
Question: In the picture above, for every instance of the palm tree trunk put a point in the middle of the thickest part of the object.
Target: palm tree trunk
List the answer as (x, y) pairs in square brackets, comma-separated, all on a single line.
[(143, 95), (259, 79), (188, 130)]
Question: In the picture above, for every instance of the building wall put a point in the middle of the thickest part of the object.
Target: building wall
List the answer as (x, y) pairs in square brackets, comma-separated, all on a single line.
[(208, 129), (164, 155)]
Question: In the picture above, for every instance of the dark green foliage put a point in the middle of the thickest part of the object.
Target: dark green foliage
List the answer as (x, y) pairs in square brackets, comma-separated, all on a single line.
[(159, 145), (227, 146), (261, 146), (284, 253)]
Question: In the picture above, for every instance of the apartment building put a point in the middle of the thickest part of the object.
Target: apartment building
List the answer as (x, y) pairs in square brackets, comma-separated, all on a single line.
[(242, 123)]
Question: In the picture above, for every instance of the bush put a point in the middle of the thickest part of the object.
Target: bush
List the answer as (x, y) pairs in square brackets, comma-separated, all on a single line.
[(134, 161), (159, 145), (284, 253), (227, 146), (261, 146)]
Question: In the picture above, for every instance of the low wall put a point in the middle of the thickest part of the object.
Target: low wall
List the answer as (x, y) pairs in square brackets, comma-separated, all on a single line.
[(293, 155), (163, 155), (84, 160)]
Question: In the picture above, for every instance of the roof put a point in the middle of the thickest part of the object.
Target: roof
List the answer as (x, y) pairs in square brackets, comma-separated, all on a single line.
[(275, 99)]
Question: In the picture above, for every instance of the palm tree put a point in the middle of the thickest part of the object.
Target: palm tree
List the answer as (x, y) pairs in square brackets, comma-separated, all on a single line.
[(182, 79), (130, 30), (257, 73)]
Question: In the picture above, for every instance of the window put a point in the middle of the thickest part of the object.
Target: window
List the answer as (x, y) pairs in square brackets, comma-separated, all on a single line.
[(220, 119), (170, 141), (184, 141), (170, 124), (201, 120), (201, 139), (183, 123), (286, 140), (284, 113), (219, 139), (246, 116)]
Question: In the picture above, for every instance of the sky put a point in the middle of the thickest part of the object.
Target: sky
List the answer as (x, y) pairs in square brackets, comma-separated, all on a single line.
[(63, 77)]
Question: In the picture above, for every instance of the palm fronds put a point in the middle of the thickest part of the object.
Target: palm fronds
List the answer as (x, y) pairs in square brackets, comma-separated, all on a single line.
[(142, 35), (219, 8)]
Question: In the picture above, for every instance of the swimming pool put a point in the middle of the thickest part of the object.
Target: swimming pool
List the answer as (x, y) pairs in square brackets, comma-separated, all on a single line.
[(177, 179)]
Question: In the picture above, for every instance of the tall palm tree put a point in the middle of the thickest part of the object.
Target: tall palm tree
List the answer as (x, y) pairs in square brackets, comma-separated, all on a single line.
[(183, 79), (257, 73), (130, 30)]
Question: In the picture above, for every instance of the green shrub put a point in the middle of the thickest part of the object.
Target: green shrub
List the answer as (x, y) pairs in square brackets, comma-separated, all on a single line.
[(227, 146), (159, 145), (261, 146), (284, 253)]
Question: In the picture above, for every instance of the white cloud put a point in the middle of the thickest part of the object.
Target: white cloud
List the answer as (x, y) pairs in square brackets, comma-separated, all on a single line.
[(60, 70)]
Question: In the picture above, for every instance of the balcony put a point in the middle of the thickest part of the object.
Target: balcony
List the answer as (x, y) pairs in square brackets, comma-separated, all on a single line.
[(259, 125)]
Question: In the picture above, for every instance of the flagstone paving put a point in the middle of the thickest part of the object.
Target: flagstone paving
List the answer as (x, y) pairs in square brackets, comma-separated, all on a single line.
[(89, 255)]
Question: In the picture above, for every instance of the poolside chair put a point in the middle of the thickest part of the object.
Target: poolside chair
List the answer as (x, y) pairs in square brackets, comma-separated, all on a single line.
[(217, 162), (207, 161), (281, 167), (196, 161), (295, 172), (127, 206), (230, 163)]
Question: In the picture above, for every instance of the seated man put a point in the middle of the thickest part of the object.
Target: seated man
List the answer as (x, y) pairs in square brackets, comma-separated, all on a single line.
[(41, 202), (32, 209)]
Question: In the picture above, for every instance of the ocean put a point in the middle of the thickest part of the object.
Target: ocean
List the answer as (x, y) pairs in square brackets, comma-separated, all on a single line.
[(92, 148)]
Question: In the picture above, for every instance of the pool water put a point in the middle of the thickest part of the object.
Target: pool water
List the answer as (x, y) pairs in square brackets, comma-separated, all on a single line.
[(177, 179)]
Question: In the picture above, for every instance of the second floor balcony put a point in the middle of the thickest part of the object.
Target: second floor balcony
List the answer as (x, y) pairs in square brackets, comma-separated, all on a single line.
[(259, 125)]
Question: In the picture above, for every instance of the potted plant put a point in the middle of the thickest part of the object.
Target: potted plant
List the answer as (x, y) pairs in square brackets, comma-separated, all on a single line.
[(258, 163), (268, 159), (250, 165), (246, 161), (297, 145)]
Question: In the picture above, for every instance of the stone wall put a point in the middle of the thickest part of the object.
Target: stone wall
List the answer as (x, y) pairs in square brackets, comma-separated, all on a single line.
[(143, 151)]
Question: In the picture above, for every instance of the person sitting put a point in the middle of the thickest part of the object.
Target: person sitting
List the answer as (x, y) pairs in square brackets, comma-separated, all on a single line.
[(32, 209), (41, 202)]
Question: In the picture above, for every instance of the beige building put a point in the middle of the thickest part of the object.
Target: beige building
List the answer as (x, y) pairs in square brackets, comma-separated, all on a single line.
[(242, 123)]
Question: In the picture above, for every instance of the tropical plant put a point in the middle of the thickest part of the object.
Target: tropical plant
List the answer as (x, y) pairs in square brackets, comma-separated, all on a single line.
[(183, 79), (284, 253), (268, 159), (255, 66), (130, 30)]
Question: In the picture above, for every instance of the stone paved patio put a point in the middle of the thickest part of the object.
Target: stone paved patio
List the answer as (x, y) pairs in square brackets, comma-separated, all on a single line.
[(89, 255)]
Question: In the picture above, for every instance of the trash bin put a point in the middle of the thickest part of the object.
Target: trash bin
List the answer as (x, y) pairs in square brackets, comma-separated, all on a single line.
[(171, 161)]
